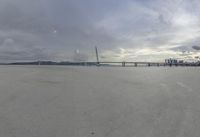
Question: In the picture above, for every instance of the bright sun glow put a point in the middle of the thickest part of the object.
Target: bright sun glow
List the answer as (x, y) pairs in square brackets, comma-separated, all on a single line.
[(185, 20)]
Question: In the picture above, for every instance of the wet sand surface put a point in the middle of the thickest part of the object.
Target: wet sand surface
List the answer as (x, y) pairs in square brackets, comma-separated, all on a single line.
[(58, 101)]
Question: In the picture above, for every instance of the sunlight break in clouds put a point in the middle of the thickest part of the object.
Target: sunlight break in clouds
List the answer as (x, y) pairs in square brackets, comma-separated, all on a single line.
[(122, 30), (179, 28)]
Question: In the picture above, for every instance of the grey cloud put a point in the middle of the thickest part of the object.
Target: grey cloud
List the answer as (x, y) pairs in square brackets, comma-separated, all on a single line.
[(188, 46), (49, 29), (79, 57), (196, 47)]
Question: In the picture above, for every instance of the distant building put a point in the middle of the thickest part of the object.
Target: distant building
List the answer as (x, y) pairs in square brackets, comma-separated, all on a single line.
[(171, 61), (181, 61)]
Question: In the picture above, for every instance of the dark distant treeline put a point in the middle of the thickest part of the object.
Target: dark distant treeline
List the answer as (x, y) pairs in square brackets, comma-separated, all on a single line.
[(55, 63), (123, 64)]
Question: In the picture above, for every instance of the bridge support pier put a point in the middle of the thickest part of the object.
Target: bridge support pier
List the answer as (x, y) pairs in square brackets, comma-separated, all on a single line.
[(136, 64), (123, 64)]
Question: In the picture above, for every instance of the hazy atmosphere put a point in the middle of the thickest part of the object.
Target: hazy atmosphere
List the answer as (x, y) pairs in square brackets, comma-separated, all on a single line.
[(99, 68), (131, 30)]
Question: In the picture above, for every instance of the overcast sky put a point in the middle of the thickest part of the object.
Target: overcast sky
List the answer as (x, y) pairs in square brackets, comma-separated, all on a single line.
[(123, 30)]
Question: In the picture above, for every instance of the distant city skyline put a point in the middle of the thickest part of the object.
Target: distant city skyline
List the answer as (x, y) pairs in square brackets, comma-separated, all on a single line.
[(128, 30)]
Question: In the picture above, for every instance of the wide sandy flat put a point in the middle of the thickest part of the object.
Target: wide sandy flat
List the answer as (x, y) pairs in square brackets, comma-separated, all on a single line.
[(56, 101)]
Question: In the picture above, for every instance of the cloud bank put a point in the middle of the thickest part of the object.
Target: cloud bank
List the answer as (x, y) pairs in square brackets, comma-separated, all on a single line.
[(142, 30)]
